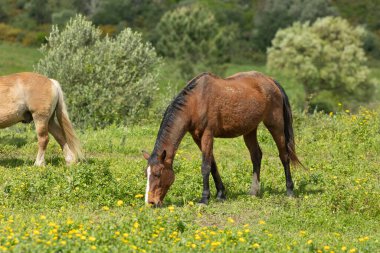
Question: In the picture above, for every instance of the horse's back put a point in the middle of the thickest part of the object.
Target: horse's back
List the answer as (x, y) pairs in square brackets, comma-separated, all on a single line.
[(236, 105)]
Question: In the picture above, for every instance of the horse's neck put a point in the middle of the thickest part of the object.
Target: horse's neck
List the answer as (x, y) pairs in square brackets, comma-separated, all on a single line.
[(171, 136)]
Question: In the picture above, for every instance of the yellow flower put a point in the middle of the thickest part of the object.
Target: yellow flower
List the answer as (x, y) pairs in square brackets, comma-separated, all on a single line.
[(63, 243), (241, 239), (42, 217), (347, 111), (93, 247), (230, 220), (138, 196), (215, 244), (136, 224), (92, 239), (326, 247), (193, 245), (261, 222), (331, 114), (191, 203), (256, 245), (105, 208), (353, 250), (171, 208), (69, 221), (344, 248), (309, 242), (119, 203)]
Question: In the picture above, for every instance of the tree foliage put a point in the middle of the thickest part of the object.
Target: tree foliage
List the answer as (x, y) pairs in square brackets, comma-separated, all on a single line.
[(272, 15), (324, 56), (106, 80), (193, 37)]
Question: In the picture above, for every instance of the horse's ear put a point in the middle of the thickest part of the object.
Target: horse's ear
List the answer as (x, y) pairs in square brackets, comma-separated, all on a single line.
[(163, 156), (146, 155)]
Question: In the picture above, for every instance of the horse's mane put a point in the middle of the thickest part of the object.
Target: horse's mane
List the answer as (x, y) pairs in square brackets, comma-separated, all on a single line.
[(176, 105)]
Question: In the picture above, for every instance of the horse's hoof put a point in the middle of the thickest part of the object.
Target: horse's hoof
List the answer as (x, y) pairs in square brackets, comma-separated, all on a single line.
[(203, 201), (254, 193), (221, 196), (290, 193)]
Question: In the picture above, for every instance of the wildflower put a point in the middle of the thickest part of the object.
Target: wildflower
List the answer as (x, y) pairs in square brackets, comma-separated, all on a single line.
[(261, 222), (191, 203), (193, 245), (63, 243), (353, 250), (69, 221), (91, 239), (105, 208), (326, 247), (215, 244), (344, 248), (302, 232), (347, 111), (241, 239), (256, 245), (136, 225), (42, 217), (119, 203), (138, 196), (331, 114), (309, 242), (171, 208), (230, 220), (93, 247)]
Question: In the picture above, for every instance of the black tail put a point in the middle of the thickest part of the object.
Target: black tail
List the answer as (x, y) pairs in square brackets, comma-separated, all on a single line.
[(288, 128)]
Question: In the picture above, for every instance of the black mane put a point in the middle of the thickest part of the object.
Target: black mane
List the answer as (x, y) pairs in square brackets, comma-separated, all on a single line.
[(176, 105)]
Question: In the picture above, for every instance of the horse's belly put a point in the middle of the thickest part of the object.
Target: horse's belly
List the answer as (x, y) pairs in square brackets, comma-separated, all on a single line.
[(10, 116)]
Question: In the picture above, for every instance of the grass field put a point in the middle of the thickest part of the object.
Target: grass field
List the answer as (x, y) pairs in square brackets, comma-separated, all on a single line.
[(98, 205)]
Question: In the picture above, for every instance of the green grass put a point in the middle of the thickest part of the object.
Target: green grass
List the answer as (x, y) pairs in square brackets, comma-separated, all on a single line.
[(16, 58), (97, 206)]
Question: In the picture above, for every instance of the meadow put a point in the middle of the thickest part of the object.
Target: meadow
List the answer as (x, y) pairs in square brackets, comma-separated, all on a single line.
[(98, 205)]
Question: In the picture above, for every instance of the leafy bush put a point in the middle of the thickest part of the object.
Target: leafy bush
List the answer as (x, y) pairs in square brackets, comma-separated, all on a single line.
[(106, 80), (191, 35), (326, 55), (273, 15)]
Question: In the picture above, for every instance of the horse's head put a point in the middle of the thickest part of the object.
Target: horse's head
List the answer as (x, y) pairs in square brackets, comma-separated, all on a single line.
[(160, 177)]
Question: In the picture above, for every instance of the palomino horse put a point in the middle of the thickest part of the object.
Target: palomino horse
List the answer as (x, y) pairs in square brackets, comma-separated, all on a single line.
[(26, 97), (210, 107)]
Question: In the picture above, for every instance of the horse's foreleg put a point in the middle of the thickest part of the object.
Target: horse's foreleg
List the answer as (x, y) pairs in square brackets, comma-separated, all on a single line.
[(220, 190), (207, 147), (58, 135), (43, 140)]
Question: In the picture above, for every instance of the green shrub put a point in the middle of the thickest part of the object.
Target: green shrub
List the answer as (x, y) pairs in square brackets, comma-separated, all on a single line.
[(105, 80), (193, 37), (324, 56)]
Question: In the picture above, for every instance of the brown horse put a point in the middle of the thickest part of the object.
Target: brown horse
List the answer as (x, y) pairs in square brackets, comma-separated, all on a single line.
[(27, 97), (210, 107)]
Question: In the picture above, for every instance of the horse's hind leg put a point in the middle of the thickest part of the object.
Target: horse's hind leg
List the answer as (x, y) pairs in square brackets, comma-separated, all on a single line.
[(278, 135), (250, 140), (58, 135), (43, 140), (220, 190)]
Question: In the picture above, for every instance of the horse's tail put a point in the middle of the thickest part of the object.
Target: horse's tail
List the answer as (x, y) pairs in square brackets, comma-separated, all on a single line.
[(288, 127), (65, 123)]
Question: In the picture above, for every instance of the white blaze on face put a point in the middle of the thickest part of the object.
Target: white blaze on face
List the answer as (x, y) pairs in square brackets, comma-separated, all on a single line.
[(147, 184)]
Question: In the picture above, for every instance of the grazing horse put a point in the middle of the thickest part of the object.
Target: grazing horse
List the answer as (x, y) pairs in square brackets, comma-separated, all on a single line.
[(210, 106), (27, 97)]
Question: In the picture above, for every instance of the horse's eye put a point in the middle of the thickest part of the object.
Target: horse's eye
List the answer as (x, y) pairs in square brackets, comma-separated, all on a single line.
[(157, 174)]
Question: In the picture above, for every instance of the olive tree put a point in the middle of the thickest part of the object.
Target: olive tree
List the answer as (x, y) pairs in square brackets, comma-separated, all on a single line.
[(105, 80), (324, 56), (192, 36)]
